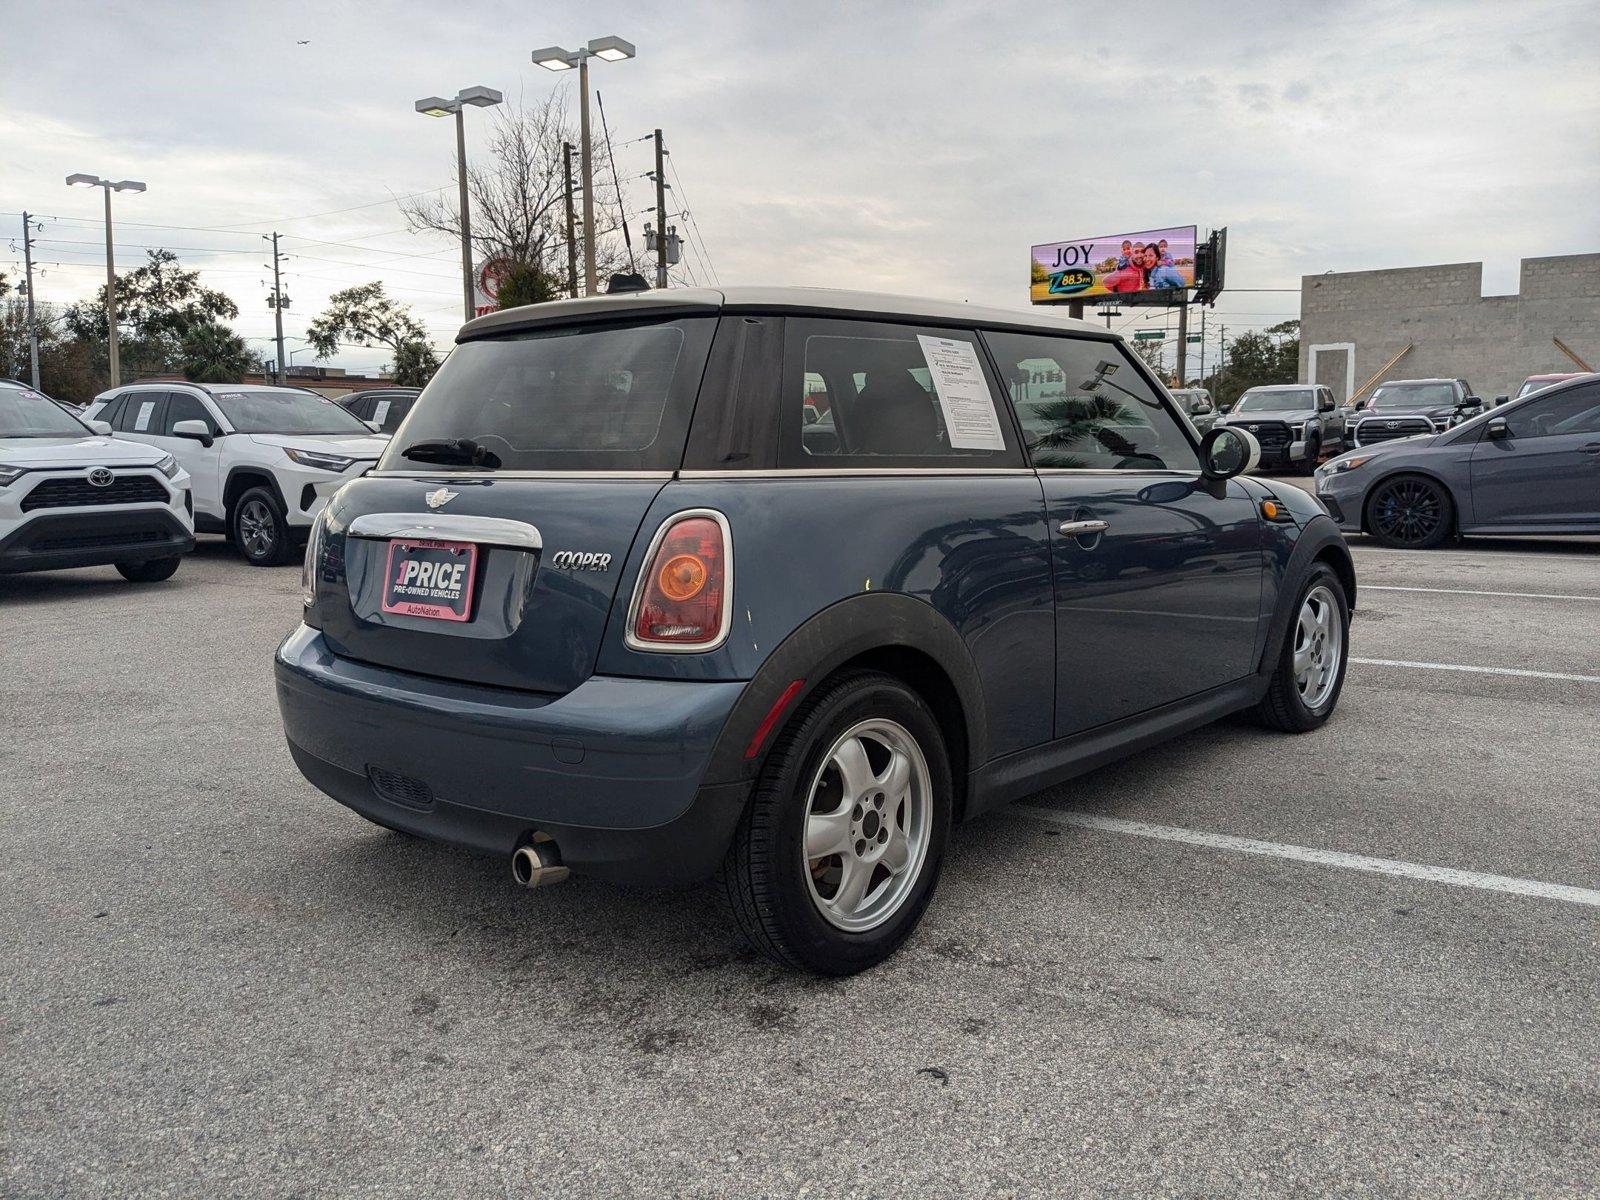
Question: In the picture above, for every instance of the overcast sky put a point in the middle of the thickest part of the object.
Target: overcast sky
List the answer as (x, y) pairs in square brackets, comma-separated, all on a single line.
[(898, 146)]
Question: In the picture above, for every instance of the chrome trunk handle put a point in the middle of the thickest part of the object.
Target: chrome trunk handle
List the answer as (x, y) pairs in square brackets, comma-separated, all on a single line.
[(450, 527)]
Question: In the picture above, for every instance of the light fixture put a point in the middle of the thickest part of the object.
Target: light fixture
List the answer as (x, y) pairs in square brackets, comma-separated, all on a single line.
[(480, 97), (128, 185), (554, 58), (83, 181), (612, 49), (435, 106)]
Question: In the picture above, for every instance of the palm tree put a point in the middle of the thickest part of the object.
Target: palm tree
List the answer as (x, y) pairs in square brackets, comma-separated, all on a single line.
[(1081, 422), (213, 353)]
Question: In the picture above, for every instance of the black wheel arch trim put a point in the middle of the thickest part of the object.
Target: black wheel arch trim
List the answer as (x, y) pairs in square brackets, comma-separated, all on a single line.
[(1319, 536), (847, 630), (261, 477)]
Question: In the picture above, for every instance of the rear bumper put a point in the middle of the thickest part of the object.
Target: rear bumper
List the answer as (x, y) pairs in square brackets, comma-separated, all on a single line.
[(54, 541), (612, 770)]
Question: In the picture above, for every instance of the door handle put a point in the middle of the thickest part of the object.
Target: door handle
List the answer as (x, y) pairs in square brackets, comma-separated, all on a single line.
[(1592, 448), (1082, 528)]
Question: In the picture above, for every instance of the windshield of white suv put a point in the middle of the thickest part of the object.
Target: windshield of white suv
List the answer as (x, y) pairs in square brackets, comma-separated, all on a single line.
[(1414, 395), (266, 410), (1290, 400), (28, 414)]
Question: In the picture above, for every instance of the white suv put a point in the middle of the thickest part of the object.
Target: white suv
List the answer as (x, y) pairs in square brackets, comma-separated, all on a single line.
[(264, 459), (71, 496)]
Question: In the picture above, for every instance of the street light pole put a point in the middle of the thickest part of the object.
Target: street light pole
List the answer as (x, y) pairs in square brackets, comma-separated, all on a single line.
[(438, 106), (554, 58), (106, 185), (572, 225)]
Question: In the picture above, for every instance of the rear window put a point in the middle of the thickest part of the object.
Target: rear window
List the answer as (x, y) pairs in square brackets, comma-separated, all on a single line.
[(589, 398)]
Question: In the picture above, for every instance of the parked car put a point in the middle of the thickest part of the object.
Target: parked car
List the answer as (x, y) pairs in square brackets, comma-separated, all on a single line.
[(1196, 404), (1404, 408), (1294, 422), (382, 408), (1534, 382), (605, 606), (1531, 466), (71, 496), (263, 459)]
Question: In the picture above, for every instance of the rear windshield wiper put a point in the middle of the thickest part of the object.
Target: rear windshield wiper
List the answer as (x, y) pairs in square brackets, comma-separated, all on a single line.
[(456, 452)]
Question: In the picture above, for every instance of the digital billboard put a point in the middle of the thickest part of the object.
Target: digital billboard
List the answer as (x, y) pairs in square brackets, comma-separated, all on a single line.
[(1157, 260)]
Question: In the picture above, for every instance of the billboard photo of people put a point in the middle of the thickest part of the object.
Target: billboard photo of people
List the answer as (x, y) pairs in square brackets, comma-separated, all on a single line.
[(1157, 260)]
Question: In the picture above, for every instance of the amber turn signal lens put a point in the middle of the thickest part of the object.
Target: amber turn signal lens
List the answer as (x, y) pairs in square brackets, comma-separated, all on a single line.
[(1269, 510), (682, 577)]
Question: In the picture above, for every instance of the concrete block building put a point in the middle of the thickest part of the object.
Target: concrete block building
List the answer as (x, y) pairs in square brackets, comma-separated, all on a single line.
[(1353, 322)]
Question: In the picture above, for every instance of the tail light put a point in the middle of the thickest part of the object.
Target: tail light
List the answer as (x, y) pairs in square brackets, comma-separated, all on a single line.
[(684, 599)]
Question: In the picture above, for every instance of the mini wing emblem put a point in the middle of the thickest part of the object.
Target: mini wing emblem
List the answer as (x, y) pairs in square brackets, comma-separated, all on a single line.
[(441, 497), (101, 477)]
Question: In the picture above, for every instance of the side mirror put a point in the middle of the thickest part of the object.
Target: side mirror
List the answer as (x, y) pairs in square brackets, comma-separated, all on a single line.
[(1223, 408), (1498, 429), (374, 426), (1226, 452), (1499, 400), (103, 428), (1472, 402), (195, 431)]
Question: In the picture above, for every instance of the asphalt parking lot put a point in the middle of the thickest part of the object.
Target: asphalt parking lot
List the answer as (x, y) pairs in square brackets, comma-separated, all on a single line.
[(219, 982)]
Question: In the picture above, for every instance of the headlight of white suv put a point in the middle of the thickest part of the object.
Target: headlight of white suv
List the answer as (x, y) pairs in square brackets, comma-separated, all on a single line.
[(319, 462), (168, 466), (10, 475)]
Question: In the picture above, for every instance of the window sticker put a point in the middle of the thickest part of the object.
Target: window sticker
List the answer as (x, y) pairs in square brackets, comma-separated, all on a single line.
[(141, 423), (379, 413), (969, 415)]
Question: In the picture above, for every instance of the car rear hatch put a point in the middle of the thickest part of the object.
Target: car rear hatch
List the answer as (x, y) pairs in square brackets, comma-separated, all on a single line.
[(496, 560)]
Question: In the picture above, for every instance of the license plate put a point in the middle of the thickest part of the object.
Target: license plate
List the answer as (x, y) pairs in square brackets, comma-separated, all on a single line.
[(432, 579)]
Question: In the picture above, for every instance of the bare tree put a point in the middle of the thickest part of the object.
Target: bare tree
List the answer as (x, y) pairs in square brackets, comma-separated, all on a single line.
[(517, 187)]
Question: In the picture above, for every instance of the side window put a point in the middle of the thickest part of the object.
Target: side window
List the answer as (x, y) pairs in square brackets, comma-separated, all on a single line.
[(138, 413), (390, 413), (109, 413), (182, 406), (1082, 406), (874, 394), (1574, 411)]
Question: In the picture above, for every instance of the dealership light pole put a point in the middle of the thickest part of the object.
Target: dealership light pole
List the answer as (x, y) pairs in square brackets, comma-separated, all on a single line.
[(121, 185), (438, 106), (554, 58)]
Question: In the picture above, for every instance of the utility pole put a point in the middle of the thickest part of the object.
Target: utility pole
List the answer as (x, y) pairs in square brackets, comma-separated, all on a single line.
[(661, 213), (1202, 345), (1222, 355), (277, 308), (33, 325), (572, 226), (1183, 343)]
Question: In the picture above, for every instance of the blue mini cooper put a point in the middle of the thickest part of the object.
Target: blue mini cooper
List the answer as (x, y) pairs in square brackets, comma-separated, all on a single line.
[(777, 585)]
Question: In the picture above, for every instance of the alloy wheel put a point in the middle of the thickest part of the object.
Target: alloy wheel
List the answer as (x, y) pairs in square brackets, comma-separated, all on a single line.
[(868, 822), (257, 528), (1407, 512), (1318, 646)]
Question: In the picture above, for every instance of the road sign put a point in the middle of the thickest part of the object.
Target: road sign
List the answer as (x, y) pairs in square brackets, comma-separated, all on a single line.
[(1150, 335), (1193, 339)]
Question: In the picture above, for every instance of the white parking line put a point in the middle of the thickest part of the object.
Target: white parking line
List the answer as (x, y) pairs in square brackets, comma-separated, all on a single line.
[(1324, 858), (1392, 587), (1428, 666)]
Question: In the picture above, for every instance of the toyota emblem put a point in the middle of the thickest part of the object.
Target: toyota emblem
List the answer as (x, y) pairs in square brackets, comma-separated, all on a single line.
[(101, 477), (1391, 424), (1253, 428)]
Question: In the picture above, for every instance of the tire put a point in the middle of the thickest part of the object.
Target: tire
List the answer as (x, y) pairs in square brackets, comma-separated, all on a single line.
[(1410, 512), (259, 529), (151, 570), (797, 909), (1313, 454), (1290, 705)]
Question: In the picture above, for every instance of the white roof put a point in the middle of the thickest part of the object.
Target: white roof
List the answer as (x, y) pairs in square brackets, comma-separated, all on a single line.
[(819, 300)]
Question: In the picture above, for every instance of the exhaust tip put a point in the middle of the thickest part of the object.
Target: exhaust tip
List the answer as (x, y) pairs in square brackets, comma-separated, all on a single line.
[(538, 864)]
